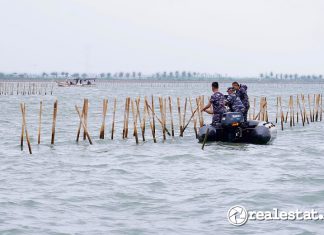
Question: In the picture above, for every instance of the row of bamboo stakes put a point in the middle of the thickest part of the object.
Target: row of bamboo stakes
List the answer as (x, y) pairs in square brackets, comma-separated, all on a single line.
[(297, 110), (300, 109), (26, 88)]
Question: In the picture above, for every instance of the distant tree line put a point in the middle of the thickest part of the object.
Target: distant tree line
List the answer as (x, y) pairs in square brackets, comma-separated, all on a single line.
[(158, 76), (286, 76), (117, 75)]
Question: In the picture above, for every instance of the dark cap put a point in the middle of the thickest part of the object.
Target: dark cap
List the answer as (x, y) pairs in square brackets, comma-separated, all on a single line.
[(230, 89)]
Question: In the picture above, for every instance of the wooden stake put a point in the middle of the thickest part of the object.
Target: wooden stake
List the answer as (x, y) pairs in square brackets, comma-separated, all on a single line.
[(162, 117), (143, 123), (134, 121), (125, 116), (83, 125), (153, 114), (195, 118), (179, 113), (40, 122), (103, 125), (85, 116), (113, 120), (281, 114), (184, 117), (171, 116), (321, 108), (22, 127), (277, 105), (199, 111), (80, 123), (23, 109), (54, 122), (151, 120), (205, 139)]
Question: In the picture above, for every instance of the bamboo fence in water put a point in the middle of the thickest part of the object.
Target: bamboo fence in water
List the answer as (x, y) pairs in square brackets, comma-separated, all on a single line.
[(141, 114)]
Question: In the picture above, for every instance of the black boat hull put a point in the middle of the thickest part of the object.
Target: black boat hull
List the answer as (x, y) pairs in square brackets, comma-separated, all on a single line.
[(255, 132)]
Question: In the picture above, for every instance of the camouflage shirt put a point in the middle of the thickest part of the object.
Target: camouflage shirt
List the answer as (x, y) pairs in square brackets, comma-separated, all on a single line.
[(234, 103), (242, 94), (218, 102)]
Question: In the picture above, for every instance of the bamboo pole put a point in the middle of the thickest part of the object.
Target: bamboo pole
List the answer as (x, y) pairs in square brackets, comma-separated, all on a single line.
[(134, 121), (192, 115), (277, 106), (184, 117), (162, 117), (301, 112), (54, 122), (305, 111), (281, 114), (317, 107), (321, 108), (153, 117), (195, 118), (179, 113), (125, 116), (22, 127), (40, 122), (164, 114), (310, 108), (143, 123), (297, 108), (314, 100), (151, 120), (137, 101), (202, 105), (171, 116), (199, 111), (103, 124), (205, 139), (83, 124), (113, 120), (23, 110), (159, 120), (80, 123), (85, 117)]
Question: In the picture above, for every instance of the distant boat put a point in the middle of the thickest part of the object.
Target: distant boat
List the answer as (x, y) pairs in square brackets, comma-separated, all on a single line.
[(77, 82)]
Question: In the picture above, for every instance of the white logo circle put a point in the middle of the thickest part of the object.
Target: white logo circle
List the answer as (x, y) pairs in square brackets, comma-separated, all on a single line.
[(237, 215)]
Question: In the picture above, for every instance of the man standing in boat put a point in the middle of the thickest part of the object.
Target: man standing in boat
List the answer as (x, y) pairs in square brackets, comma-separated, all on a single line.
[(241, 92), (218, 102)]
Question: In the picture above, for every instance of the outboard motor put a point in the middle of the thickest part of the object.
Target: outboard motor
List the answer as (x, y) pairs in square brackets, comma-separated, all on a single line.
[(232, 124)]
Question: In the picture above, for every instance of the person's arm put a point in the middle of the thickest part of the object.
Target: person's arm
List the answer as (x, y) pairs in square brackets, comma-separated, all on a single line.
[(210, 110), (206, 107)]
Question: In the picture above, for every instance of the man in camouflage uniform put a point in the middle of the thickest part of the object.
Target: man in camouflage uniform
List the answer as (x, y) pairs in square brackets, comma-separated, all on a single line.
[(241, 92), (234, 102), (218, 102)]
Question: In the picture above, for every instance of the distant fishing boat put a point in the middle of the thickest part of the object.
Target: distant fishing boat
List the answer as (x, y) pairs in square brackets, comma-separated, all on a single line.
[(77, 82)]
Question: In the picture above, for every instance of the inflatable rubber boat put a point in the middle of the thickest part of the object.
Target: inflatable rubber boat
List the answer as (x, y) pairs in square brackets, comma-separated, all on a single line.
[(233, 129)]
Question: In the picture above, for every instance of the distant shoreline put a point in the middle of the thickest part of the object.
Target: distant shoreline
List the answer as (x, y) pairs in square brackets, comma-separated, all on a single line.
[(152, 80)]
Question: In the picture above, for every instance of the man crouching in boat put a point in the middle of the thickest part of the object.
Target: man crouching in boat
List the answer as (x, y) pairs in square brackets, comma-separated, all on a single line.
[(218, 101), (233, 102)]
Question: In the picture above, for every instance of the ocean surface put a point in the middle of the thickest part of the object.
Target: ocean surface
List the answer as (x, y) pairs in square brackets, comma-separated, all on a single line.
[(168, 187)]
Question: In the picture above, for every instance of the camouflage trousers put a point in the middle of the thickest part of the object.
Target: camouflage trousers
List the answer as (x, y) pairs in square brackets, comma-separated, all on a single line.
[(245, 114)]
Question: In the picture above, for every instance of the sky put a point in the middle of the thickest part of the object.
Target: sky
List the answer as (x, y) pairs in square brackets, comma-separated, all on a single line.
[(236, 37)]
